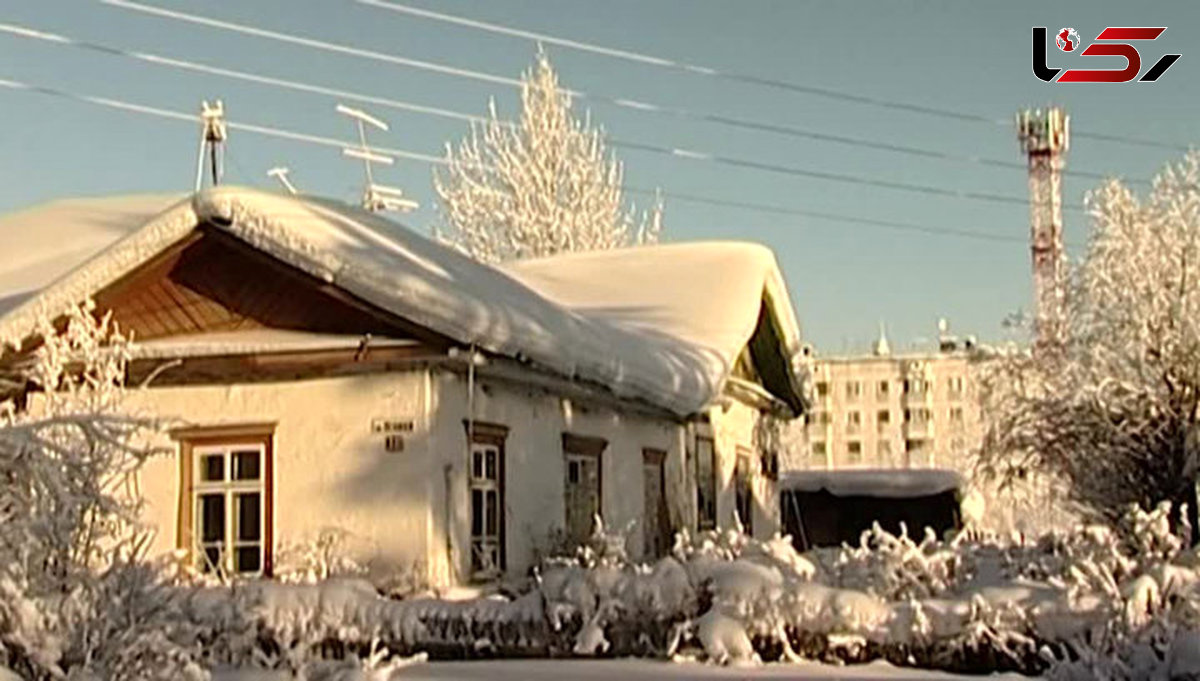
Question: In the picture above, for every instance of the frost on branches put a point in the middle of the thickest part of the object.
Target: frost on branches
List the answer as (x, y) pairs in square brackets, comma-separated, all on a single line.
[(1113, 410), (543, 186), (77, 599)]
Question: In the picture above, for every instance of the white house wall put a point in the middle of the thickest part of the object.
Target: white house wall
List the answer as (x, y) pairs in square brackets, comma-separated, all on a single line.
[(733, 426), (330, 469), (535, 467)]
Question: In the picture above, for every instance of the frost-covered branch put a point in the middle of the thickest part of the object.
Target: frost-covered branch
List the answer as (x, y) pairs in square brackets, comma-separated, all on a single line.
[(543, 186), (1114, 411)]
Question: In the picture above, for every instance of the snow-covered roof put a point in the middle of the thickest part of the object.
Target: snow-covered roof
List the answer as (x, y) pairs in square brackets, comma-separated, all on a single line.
[(885, 482), (664, 326), (45, 242)]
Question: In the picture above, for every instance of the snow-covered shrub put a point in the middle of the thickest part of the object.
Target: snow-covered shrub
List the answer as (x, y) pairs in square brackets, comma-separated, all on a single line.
[(76, 596), (321, 557)]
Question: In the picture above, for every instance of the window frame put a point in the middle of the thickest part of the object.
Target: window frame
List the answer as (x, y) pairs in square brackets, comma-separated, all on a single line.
[(854, 452), (853, 390), (743, 488), (706, 521), (482, 434), (193, 444), (656, 545), (583, 448)]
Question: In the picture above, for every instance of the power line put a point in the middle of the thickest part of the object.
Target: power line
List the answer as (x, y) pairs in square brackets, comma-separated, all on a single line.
[(484, 77), (671, 151), (32, 33), (272, 131), (266, 130), (197, 67), (733, 76)]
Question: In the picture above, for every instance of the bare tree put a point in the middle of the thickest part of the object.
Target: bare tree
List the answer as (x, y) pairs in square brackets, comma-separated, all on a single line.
[(542, 186), (1113, 411)]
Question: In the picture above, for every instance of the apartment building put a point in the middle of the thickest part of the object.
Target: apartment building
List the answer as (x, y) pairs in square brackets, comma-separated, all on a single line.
[(905, 410)]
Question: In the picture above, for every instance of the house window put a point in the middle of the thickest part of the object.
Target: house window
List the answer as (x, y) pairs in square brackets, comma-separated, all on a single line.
[(581, 488), (818, 449), (854, 452), (884, 450), (955, 386), (883, 417), (853, 390), (918, 415), (706, 484), (915, 386), (956, 415), (822, 388), (744, 491), (881, 390), (485, 489), (225, 514), (913, 448), (656, 525), (853, 419)]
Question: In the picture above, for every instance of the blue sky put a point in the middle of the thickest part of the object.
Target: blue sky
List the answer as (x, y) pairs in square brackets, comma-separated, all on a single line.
[(844, 277)]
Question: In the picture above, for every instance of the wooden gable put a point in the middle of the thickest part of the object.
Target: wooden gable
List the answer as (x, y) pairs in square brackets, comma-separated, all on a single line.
[(761, 362), (212, 282)]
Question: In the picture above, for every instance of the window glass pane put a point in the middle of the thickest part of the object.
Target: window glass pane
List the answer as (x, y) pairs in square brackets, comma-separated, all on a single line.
[(476, 512), (212, 467), (246, 465), (247, 559), (212, 518), (212, 559), (493, 513), (477, 464), (249, 516), (491, 464)]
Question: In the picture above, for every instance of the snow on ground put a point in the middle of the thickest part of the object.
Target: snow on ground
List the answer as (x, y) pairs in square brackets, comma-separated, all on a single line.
[(635, 670)]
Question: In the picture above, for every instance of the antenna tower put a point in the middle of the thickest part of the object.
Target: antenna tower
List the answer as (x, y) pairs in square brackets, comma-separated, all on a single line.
[(213, 134), (1044, 136), (376, 197)]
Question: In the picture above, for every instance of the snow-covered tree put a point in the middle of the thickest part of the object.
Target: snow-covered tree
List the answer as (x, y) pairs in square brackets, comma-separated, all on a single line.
[(1113, 411), (544, 185), (77, 598)]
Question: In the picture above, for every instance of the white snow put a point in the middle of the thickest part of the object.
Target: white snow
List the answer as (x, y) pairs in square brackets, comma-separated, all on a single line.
[(671, 344), (895, 483), (45, 242)]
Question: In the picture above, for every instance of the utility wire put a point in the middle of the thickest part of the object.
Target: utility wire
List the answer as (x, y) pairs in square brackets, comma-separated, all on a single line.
[(479, 76), (198, 67), (732, 76), (272, 131), (444, 69), (651, 148)]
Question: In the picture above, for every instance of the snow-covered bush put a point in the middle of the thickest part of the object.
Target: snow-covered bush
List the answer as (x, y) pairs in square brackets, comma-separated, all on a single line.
[(320, 558), (77, 598)]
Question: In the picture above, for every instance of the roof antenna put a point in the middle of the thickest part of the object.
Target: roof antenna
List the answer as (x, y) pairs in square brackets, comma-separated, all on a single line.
[(212, 138), (376, 197), (281, 173)]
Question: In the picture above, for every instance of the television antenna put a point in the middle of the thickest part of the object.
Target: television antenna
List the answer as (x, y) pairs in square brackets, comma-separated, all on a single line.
[(376, 197), (281, 173), (213, 134)]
